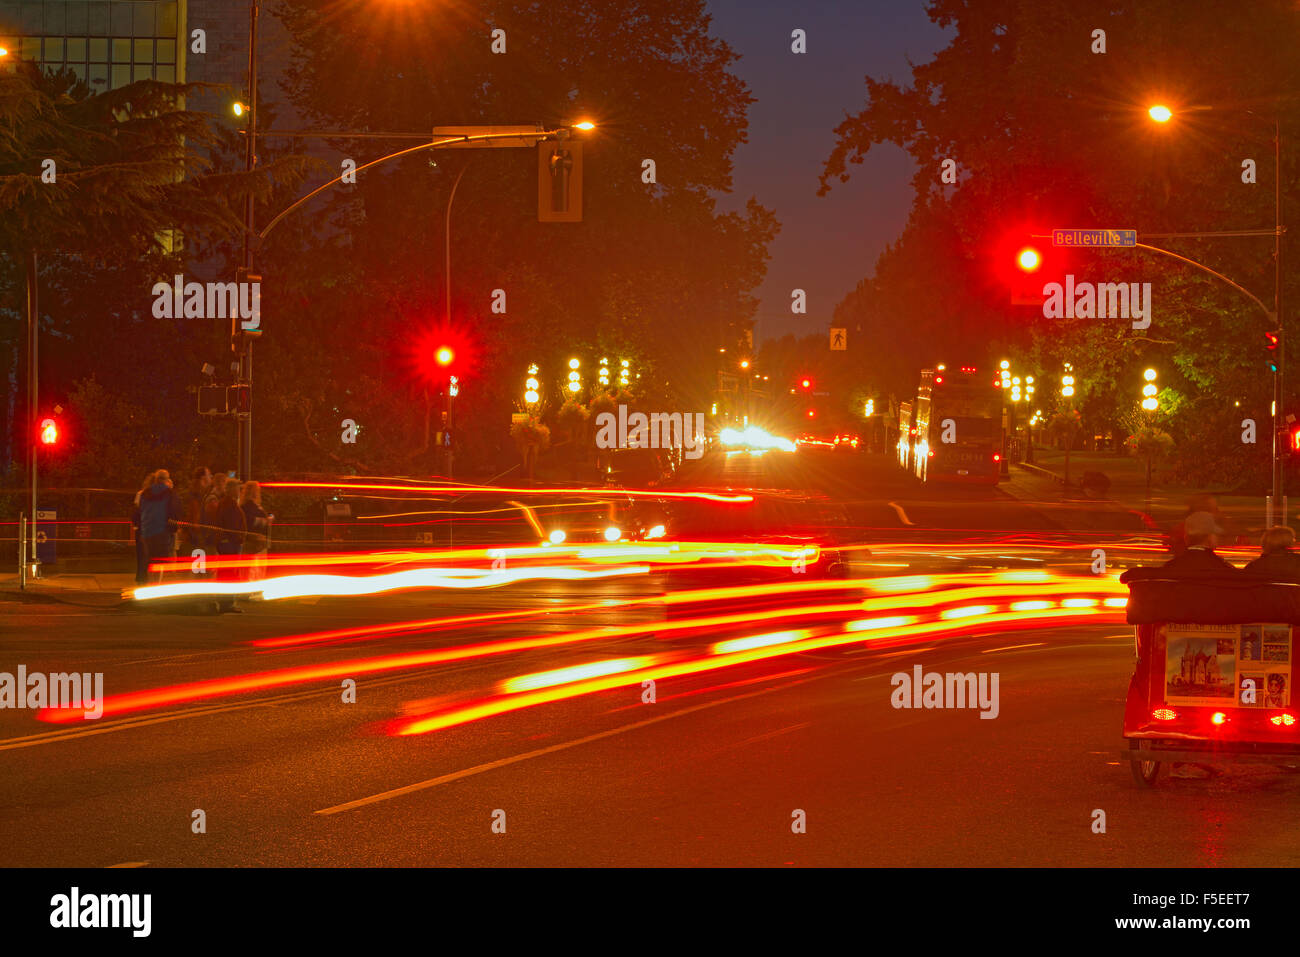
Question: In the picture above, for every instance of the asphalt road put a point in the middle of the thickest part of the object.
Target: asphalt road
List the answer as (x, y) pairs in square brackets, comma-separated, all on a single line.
[(714, 772)]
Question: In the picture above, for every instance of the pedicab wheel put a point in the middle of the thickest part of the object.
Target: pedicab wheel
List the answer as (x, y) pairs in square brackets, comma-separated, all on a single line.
[(1145, 772)]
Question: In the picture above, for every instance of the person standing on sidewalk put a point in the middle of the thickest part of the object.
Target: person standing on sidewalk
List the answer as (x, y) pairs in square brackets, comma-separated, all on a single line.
[(231, 532), (259, 529), (159, 511), (194, 533), (141, 554)]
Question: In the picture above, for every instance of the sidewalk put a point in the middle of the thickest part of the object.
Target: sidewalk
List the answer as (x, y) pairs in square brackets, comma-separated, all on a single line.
[(103, 590), (1167, 504)]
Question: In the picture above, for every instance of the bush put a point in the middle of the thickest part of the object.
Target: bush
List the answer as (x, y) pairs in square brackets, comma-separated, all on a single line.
[(1095, 483), (530, 432), (1150, 442)]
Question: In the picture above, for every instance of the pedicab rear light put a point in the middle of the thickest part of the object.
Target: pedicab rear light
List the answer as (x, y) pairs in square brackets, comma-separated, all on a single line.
[(1283, 719), (1218, 718), (1164, 714)]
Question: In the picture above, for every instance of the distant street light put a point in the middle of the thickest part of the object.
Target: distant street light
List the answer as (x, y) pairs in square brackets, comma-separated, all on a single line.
[(1161, 114)]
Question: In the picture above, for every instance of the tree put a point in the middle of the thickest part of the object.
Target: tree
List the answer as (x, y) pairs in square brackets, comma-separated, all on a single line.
[(1046, 133), (99, 192), (653, 271)]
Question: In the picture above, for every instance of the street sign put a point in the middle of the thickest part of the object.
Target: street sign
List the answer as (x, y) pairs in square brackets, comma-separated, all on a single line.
[(1094, 237), (839, 340), (527, 138)]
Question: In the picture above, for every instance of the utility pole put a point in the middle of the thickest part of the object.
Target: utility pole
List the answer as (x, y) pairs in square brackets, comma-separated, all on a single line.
[(243, 344), (33, 329)]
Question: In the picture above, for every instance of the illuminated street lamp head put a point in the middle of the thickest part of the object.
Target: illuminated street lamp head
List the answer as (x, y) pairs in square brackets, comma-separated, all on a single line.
[(744, 363), (444, 355), (575, 386), (238, 108), (1149, 375), (1004, 364), (531, 396), (3, 52), (1160, 113), (584, 125), (573, 363)]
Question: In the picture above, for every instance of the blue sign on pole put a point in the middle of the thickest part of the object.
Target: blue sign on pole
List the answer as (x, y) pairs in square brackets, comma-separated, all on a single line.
[(47, 534), (1094, 237)]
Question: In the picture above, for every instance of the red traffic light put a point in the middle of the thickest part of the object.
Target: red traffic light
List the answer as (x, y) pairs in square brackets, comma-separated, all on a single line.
[(444, 356), (1272, 338), (1028, 259), (1294, 436), (806, 384), (49, 432)]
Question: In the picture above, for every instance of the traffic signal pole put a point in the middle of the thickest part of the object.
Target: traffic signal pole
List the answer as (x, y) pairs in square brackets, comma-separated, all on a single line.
[(244, 344), (33, 322)]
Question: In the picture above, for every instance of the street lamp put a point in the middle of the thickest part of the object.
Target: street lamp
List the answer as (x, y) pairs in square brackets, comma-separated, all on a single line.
[(1149, 401), (1161, 114)]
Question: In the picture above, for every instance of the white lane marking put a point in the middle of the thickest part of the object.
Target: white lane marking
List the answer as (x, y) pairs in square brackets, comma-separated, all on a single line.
[(564, 746), (1035, 644), (773, 734), (128, 724), (902, 516)]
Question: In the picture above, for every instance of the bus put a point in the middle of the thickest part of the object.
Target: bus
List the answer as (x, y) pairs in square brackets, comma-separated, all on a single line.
[(906, 435), (955, 424)]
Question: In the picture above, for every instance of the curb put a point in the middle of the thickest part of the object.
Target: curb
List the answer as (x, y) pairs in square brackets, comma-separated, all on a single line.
[(1040, 471), (64, 596)]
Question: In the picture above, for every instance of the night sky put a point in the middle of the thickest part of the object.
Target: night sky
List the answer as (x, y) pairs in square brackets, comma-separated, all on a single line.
[(826, 244)]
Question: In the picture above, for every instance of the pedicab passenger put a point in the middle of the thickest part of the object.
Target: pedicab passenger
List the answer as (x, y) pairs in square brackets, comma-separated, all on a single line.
[(1277, 561), (1201, 533)]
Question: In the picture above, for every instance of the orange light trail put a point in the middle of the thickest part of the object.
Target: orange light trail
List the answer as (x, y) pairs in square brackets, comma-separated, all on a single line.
[(505, 701), (436, 490), (115, 705)]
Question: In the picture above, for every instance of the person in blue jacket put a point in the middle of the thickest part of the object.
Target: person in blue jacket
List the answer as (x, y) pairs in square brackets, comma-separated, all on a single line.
[(141, 556), (159, 511)]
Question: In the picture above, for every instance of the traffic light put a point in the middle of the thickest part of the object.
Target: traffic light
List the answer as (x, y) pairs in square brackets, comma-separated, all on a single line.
[(559, 181), (239, 399), (806, 384), (239, 336), (1273, 339), (444, 356), (1293, 438), (213, 400), (49, 431), (1028, 259)]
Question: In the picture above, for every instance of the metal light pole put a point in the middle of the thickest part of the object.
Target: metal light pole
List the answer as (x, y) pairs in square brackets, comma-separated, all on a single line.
[(33, 328), (244, 344), (1162, 114), (1278, 424)]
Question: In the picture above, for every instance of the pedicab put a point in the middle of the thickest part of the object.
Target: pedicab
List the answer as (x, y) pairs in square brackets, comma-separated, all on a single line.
[(1213, 678)]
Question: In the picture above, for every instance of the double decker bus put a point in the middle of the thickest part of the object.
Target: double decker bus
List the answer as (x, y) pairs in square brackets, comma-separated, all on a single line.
[(963, 408)]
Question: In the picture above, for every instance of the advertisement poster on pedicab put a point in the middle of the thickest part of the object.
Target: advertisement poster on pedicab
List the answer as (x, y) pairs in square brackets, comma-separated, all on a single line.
[(1216, 665)]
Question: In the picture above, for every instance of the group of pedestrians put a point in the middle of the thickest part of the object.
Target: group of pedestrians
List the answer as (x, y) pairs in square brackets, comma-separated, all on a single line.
[(220, 515)]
